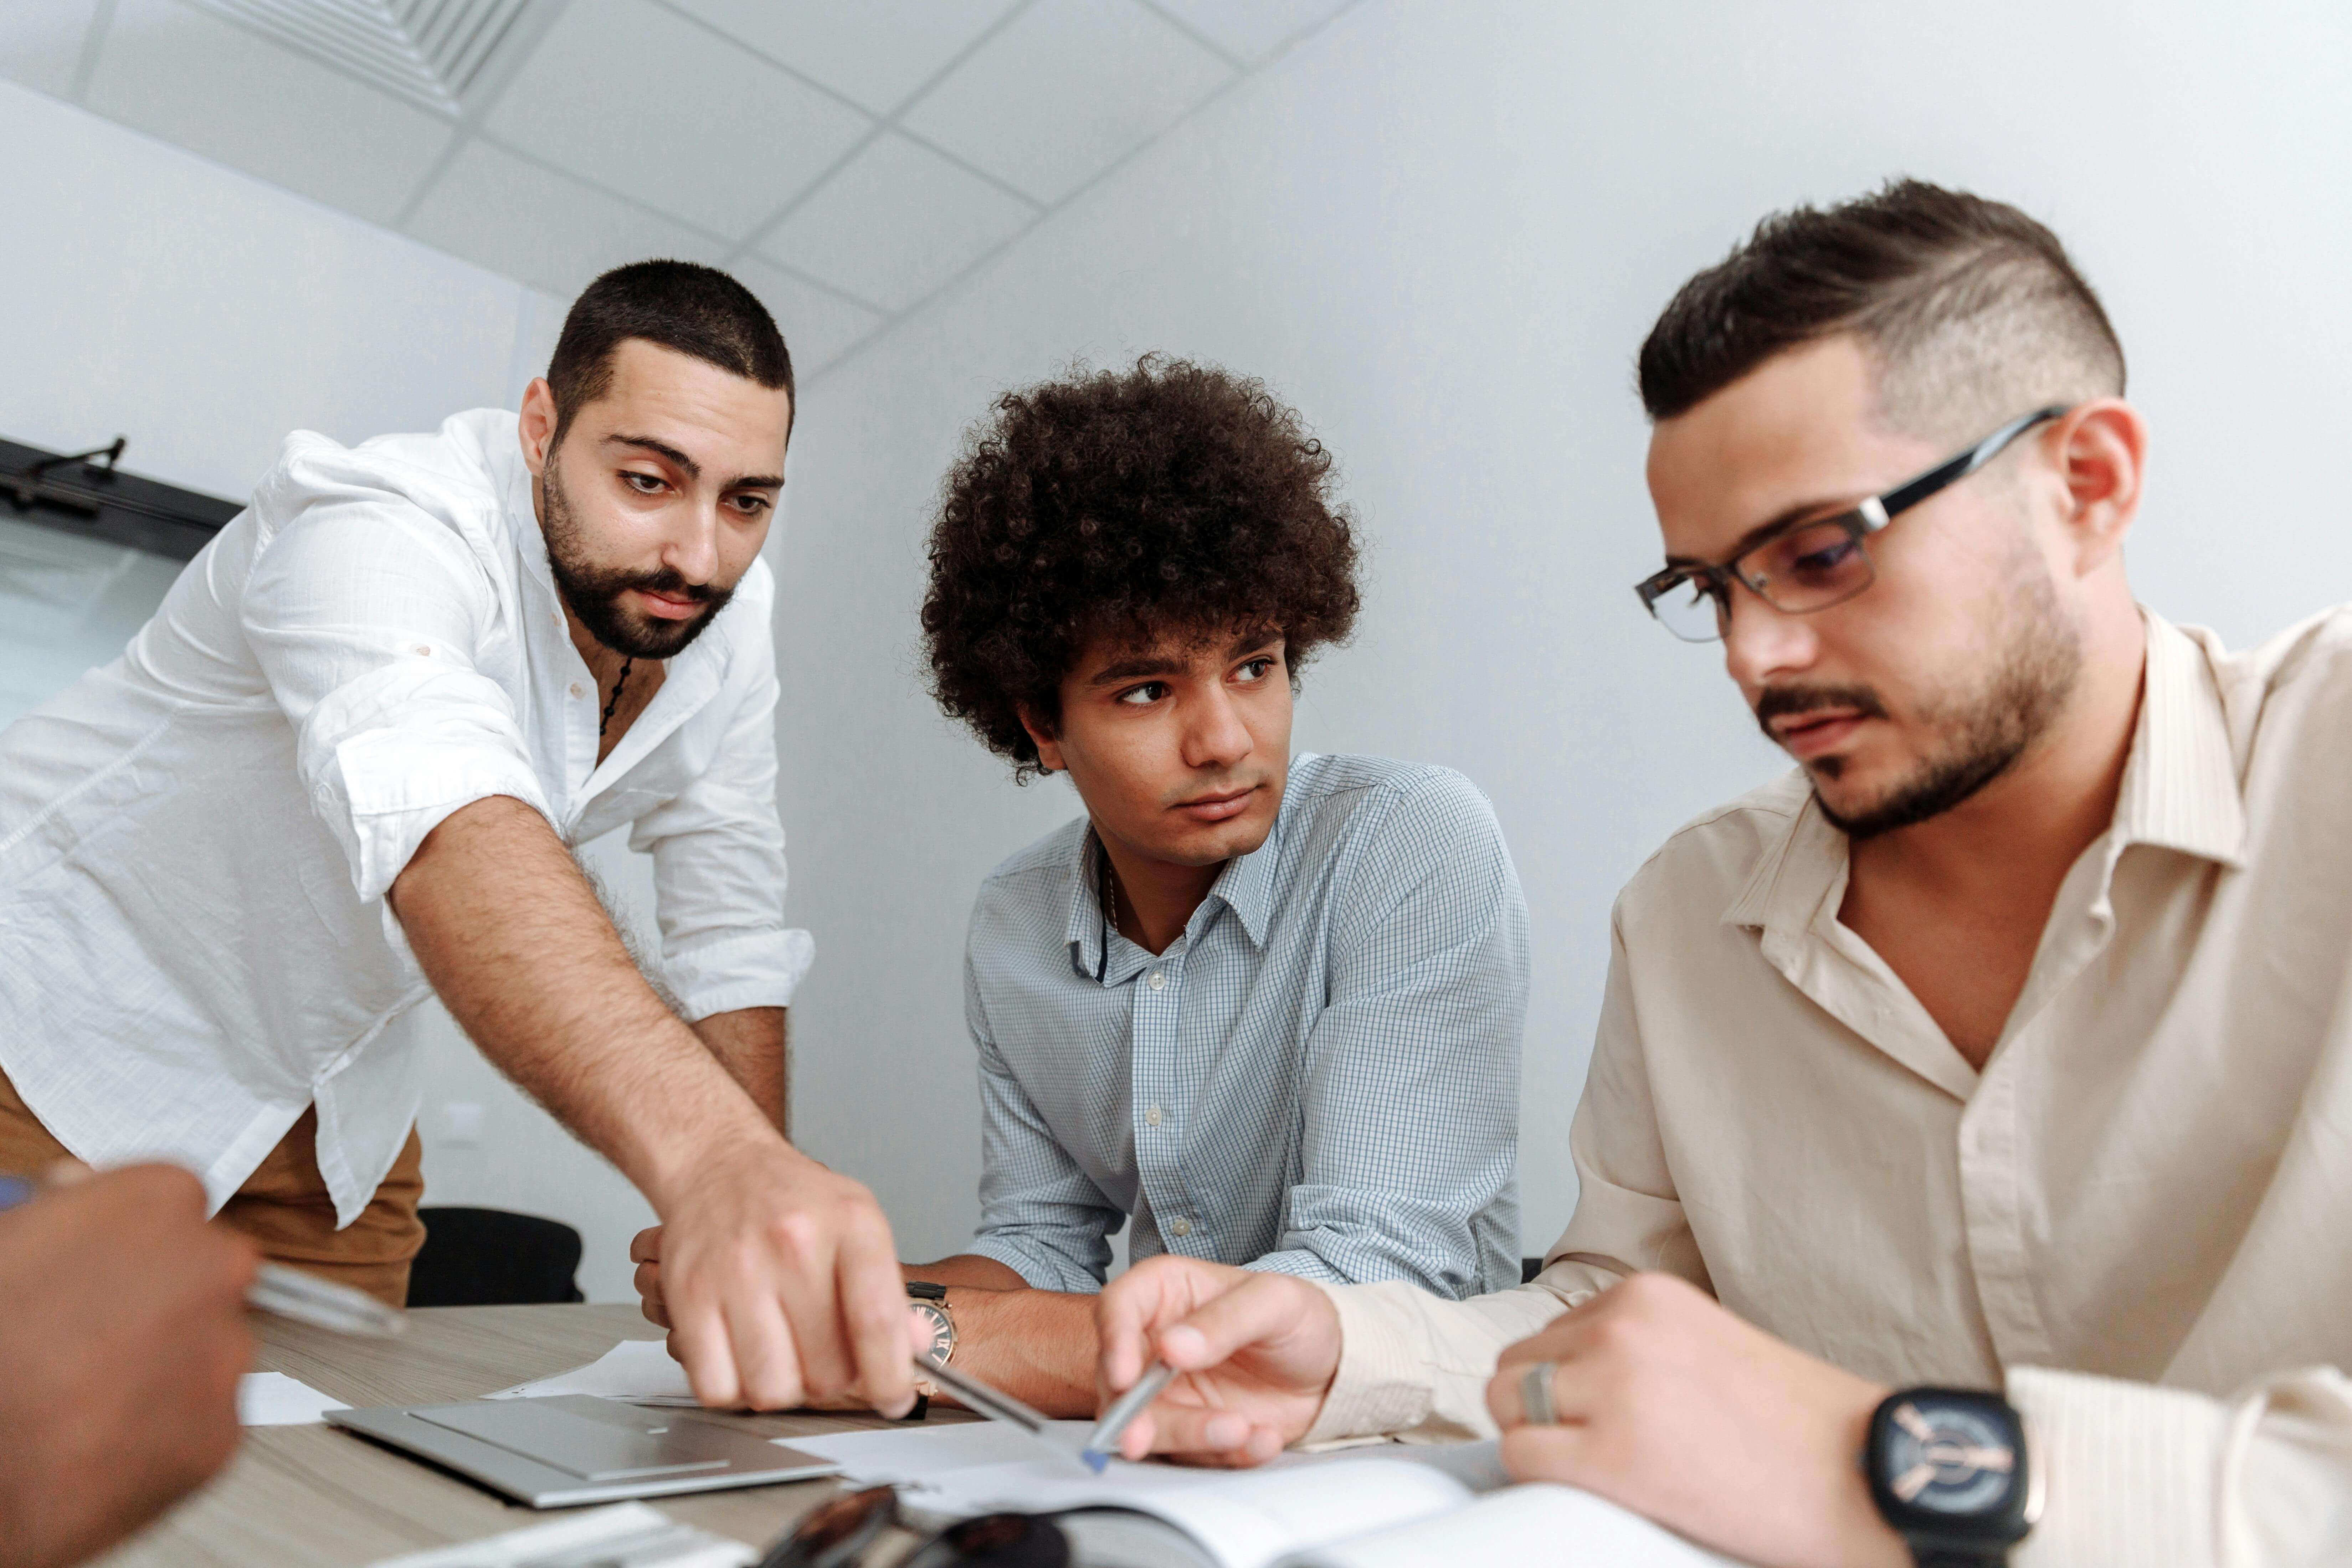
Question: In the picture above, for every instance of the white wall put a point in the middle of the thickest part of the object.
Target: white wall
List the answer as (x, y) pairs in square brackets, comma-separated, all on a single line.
[(1441, 230), (205, 314)]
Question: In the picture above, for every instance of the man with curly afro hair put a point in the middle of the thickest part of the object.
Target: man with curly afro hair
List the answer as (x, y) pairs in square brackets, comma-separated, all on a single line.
[(1268, 1007)]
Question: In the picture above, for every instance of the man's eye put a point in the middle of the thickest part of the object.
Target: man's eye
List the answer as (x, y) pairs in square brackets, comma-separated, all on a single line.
[(644, 484), (1145, 695), (751, 506), (1257, 669)]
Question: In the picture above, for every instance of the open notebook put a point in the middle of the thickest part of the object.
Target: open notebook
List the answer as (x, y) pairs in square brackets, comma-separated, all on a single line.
[(1388, 1506)]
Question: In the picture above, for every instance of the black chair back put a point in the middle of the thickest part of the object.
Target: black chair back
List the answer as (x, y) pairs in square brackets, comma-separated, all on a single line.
[(488, 1257)]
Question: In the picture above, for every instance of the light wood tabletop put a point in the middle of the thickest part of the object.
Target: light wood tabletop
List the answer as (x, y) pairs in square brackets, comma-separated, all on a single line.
[(317, 1497)]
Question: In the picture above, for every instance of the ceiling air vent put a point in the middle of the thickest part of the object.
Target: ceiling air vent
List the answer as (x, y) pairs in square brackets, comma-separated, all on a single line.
[(427, 51)]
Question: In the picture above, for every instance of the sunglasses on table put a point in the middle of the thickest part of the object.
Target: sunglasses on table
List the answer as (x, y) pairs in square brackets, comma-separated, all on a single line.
[(1813, 563), (841, 1532)]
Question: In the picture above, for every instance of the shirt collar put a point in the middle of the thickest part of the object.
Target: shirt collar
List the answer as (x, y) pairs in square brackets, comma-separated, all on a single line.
[(2179, 792), (1245, 887)]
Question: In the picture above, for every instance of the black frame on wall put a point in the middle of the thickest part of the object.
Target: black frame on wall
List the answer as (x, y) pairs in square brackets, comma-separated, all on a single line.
[(85, 494)]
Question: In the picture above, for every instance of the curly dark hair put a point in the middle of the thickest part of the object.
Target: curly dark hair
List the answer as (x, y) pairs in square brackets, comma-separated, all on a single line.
[(1173, 499)]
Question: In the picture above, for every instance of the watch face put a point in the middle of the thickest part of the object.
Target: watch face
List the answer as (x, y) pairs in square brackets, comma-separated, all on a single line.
[(942, 1338), (1949, 1458)]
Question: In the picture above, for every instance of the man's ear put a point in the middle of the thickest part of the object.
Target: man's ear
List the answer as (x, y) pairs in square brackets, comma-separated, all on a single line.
[(2102, 456), (1049, 749), (537, 428)]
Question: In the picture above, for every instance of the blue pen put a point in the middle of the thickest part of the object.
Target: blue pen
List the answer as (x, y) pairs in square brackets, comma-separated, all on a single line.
[(1102, 1443)]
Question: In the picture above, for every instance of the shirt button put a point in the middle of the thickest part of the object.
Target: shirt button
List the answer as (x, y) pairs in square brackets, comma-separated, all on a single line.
[(578, 690), (1151, 1117), (1180, 1226), (1159, 980)]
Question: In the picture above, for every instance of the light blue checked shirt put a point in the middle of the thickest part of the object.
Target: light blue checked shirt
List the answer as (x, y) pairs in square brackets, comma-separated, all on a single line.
[(1321, 1076)]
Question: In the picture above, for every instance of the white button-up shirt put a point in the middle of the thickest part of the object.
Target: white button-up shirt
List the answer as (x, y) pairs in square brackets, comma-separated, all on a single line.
[(197, 839), (2137, 1217)]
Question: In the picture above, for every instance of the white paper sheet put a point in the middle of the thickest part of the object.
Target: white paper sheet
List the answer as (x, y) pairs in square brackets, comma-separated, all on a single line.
[(639, 1371), (274, 1399), (1520, 1525), (626, 1532)]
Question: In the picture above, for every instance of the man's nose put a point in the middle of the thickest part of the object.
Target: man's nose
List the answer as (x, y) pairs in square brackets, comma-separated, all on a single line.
[(1216, 737), (1761, 641), (692, 550)]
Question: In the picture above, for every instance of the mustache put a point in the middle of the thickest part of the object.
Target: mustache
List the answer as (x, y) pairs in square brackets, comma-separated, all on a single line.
[(667, 581), (1782, 701)]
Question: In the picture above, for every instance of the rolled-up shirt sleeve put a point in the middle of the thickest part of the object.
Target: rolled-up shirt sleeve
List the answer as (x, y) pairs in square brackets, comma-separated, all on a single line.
[(718, 849), (1410, 1105), (366, 617), (1041, 1215)]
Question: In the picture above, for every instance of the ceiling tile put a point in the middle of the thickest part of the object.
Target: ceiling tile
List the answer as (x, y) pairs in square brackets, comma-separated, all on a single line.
[(40, 43), (215, 89), (1250, 29), (1061, 93), (875, 52), (545, 228), (896, 222), (819, 325), (647, 102)]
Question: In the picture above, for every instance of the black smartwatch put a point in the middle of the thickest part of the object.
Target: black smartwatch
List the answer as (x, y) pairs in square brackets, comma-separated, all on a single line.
[(1951, 1472)]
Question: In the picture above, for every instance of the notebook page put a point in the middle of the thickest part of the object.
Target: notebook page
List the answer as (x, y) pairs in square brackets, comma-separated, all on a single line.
[(1520, 1524)]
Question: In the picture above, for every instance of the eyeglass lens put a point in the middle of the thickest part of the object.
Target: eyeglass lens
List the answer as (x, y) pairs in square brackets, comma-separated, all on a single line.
[(1808, 568)]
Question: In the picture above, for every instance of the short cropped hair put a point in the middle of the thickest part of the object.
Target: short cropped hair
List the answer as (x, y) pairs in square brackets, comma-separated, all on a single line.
[(1970, 312), (1172, 499), (681, 305)]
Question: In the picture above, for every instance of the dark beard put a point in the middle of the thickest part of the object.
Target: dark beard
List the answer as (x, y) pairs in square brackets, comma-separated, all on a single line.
[(2037, 675), (593, 593)]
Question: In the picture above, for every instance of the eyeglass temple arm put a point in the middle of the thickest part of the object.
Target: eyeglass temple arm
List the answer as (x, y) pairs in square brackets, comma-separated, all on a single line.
[(1880, 509)]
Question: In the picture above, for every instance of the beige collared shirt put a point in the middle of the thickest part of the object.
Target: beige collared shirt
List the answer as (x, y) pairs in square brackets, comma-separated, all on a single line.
[(2138, 1216)]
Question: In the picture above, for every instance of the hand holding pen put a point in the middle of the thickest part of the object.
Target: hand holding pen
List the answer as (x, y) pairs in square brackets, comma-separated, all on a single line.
[(277, 1289)]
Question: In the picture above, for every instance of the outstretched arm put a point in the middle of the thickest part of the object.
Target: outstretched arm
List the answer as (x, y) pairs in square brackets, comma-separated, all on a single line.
[(781, 1280)]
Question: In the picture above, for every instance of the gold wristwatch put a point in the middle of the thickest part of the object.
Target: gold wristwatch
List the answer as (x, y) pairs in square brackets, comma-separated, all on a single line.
[(930, 1303)]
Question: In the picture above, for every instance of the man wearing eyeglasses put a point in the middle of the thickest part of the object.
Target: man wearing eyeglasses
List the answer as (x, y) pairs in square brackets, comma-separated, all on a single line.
[(1966, 1160)]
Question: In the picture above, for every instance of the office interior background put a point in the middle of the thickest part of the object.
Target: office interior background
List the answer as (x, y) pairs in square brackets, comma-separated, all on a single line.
[(1439, 227)]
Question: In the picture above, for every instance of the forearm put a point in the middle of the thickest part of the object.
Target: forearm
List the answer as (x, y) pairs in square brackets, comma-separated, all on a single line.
[(966, 1268), (1036, 1345), (1410, 1362), (751, 1044), (515, 943)]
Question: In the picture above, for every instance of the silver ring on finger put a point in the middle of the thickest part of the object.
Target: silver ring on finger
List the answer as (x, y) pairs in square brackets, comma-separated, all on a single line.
[(1534, 1394)]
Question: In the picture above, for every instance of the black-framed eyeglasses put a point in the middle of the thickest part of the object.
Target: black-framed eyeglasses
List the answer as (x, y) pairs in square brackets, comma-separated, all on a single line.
[(1813, 563), (841, 1531)]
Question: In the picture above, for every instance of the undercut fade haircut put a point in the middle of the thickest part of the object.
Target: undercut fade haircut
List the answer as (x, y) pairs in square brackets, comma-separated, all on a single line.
[(1171, 501), (681, 305), (1969, 312)]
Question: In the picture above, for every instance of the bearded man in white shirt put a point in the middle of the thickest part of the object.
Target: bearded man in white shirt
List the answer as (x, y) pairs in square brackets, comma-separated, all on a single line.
[(2006, 1045), (344, 767)]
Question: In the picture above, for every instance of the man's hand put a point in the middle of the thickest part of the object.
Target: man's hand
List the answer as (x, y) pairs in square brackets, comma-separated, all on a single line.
[(1256, 1352), (122, 1334), (1674, 1407), (779, 1286)]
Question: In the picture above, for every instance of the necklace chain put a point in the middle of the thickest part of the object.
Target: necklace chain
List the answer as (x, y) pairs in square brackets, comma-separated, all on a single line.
[(606, 721)]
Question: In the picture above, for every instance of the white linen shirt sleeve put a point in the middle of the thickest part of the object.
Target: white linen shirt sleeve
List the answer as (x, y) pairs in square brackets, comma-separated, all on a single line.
[(366, 614), (718, 848)]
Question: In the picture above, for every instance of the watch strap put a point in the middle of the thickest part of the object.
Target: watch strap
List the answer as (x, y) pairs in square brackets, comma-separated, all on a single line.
[(924, 1291), (1959, 1556)]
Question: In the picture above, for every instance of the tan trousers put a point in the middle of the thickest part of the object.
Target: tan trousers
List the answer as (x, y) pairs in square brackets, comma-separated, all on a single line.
[(284, 1206)]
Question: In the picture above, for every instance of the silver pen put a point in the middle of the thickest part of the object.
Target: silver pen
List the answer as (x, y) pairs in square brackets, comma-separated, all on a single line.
[(1102, 1443), (996, 1405), (307, 1298)]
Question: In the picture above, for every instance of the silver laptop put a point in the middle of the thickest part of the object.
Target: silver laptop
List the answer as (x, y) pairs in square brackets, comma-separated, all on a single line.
[(575, 1447)]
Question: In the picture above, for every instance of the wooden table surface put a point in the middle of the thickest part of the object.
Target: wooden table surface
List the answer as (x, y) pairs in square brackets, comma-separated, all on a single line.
[(317, 1497)]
